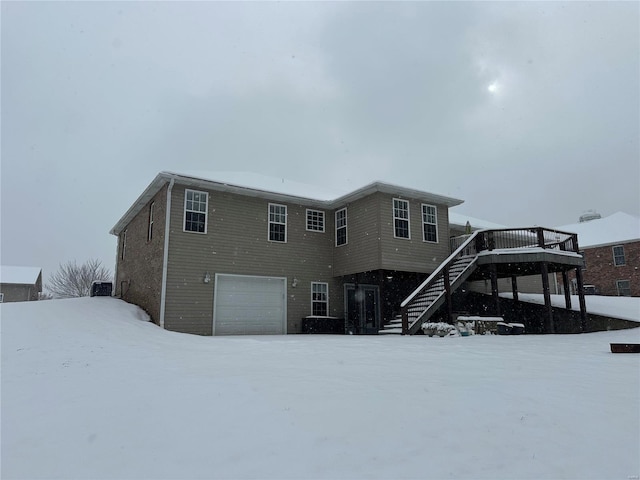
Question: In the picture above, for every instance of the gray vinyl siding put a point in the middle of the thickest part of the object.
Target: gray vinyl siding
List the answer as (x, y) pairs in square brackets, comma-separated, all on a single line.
[(20, 293), (414, 254), (237, 242), (362, 251), (139, 274)]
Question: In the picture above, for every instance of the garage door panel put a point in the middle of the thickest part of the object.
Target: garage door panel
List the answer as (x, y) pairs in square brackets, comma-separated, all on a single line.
[(247, 305)]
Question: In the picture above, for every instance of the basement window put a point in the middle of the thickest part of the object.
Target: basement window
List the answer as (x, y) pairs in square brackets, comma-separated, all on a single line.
[(623, 287), (195, 211)]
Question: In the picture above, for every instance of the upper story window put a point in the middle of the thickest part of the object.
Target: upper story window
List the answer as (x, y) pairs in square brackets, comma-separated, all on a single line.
[(195, 211), (277, 222), (618, 256), (341, 227), (623, 287), (1, 297), (150, 229), (315, 220), (319, 299), (401, 218), (429, 223), (123, 244)]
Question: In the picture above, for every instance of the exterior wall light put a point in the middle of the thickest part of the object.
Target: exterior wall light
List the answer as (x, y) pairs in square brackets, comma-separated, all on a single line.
[(207, 278), (294, 284)]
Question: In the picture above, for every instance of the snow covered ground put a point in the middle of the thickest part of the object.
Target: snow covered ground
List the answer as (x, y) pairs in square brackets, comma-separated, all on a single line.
[(92, 390)]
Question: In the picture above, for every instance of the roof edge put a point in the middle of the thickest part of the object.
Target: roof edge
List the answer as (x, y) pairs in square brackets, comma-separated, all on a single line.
[(148, 193)]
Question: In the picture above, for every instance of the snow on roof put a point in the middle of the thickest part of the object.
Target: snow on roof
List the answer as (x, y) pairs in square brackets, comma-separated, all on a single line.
[(461, 219), (19, 275), (619, 227), (268, 184)]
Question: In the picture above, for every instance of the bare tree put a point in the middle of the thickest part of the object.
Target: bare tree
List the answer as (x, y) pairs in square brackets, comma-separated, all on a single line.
[(73, 280)]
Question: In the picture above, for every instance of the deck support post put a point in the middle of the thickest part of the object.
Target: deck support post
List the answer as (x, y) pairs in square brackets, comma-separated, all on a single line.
[(549, 327), (494, 288), (405, 321), (447, 295), (567, 290), (514, 287), (583, 303)]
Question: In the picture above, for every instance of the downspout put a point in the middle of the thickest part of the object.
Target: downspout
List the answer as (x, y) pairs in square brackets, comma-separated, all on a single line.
[(165, 259)]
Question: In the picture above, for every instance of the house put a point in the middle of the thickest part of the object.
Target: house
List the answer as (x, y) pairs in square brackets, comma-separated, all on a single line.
[(20, 284), (212, 257), (611, 248)]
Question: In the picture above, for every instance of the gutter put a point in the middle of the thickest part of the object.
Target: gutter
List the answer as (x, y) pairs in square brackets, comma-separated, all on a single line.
[(165, 259)]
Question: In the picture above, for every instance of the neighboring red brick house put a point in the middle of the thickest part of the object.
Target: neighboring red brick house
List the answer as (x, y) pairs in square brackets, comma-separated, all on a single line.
[(611, 247)]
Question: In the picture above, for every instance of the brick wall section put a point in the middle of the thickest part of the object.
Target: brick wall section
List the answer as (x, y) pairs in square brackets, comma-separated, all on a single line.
[(601, 271), (139, 273)]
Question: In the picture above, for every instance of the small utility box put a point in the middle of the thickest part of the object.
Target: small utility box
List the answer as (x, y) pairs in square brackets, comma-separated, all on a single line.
[(101, 289)]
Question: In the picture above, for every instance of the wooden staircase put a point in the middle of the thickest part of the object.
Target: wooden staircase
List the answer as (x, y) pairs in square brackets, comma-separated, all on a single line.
[(425, 304), (429, 296)]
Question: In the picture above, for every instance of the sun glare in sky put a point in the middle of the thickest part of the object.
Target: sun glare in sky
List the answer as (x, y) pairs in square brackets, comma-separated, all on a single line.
[(493, 87)]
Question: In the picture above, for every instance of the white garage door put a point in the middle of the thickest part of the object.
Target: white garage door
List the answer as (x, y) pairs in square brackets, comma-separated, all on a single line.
[(245, 305)]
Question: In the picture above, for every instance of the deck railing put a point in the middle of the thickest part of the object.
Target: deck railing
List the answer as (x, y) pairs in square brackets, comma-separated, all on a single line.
[(534, 237)]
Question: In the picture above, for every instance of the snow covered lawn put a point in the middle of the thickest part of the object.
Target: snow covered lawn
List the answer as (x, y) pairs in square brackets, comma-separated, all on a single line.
[(91, 390)]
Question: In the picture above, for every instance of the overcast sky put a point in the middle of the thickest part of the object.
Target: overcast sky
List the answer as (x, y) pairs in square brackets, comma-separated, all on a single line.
[(527, 111)]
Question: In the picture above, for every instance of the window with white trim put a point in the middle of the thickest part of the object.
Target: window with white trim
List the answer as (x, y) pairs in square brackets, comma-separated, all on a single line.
[(623, 287), (401, 218), (429, 223), (341, 227), (1, 297), (123, 244), (315, 220), (319, 299), (150, 229), (277, 222), (618, 256), (195, 211)]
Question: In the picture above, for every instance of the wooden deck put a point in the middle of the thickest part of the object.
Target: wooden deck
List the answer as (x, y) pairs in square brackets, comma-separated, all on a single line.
[(494, 254)]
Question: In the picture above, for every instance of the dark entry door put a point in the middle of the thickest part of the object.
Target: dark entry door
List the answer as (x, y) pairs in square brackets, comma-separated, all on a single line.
[(363, 312)]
